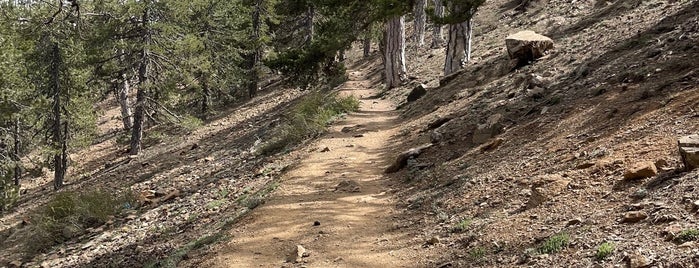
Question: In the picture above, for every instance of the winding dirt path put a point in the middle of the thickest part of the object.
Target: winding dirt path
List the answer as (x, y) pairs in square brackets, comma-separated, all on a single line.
[(356, 227)]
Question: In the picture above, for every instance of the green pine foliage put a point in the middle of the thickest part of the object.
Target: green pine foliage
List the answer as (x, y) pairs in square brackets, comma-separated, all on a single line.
[(201, 55)]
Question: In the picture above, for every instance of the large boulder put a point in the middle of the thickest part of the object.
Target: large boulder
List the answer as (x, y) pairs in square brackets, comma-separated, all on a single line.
[(689, 150), (527, 46)]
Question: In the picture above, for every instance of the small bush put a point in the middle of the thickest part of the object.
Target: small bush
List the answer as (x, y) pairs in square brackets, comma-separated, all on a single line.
[(9, 193), (190, 123), (477, 253), (462, 226), (153, 137), (68, 214), (309, 118), (554, 244), (687, 235), (604, 250)]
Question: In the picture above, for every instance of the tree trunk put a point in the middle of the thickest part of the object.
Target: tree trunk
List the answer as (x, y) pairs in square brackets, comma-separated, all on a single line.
[(437, 31), (205, 95), (394, 56), (420, 18), (57, 137), (310, 27), (141, 93), (256, 54), (123, 98), (367, 44), (458, 47), (15, 153)]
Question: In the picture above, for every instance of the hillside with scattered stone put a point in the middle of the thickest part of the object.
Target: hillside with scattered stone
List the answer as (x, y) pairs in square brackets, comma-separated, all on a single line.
[(568, 140)]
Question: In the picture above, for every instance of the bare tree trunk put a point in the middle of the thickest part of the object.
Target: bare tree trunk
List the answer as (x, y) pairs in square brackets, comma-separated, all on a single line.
[(57, 137), (367, 44), (394, 56), (310, 26), (123, 90), (141, 94), (458, 47), (438, 30), (469, 39), (256, 54), (420, 18), (15, 153), (205, 95)]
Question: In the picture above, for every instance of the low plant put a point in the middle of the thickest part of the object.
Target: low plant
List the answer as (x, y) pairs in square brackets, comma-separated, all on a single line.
[(68, 214), (190, 123), (462, 226), (554, 244), (604, 250), (477, 253), (309, 118), (9, 192), (687, 235)]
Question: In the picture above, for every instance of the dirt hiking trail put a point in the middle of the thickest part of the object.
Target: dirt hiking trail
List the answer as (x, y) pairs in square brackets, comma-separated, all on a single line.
[(340, 185)]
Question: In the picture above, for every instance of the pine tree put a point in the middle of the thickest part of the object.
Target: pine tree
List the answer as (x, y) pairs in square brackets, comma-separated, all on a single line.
[(56, 78)]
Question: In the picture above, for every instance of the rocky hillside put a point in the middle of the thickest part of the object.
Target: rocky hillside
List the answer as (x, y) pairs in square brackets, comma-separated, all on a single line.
[(570, 161), (543, 166)]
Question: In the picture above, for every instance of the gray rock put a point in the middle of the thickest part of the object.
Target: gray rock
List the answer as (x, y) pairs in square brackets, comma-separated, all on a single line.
[(418, 92), (492, 127), (402, 159), (546, 187), (527, 46), (634, 217), (689, 151), (637, 260)]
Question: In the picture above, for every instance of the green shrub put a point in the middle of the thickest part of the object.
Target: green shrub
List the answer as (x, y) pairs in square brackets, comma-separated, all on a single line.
[(554, 244), (687, 235), (69, 214), (309, 118), (462, 226), (190, 123), (477, 253), (604, 250), (9, 193)]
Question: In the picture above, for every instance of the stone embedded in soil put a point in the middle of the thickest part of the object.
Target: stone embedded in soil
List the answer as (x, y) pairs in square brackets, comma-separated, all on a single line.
[(527, 46), (492, 145), (634, 217), (585, 165), (402, 159), (546, 187), (641, 171), (689, 151), (316, 223), (637, 260), (433, 241), (418, 92), (347, 186), (575, 221), (492, 127), (298, 254), (324, 150), (671, 232)]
